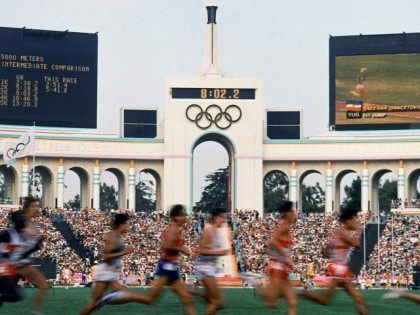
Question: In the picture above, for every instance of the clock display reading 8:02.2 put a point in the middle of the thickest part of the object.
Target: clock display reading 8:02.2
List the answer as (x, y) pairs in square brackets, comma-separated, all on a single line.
[(213, 93), (219, 93)]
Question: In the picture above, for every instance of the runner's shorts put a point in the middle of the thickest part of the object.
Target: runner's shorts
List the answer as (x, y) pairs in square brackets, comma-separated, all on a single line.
[(106, 273), (205, 269), (169, 269)]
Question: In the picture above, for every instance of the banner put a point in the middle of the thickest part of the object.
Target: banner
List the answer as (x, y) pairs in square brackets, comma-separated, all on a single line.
[(19, 148)]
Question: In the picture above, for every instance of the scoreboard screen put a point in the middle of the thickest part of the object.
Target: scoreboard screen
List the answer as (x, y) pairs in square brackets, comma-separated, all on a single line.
[(139, 123), (375, 82), (284, 125), (48, 77)]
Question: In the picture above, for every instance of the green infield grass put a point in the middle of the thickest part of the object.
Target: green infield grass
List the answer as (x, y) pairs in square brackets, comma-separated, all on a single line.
[(238, 301)]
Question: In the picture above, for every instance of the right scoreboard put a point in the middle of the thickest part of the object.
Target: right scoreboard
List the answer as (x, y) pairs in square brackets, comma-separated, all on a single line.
[(375, 82)]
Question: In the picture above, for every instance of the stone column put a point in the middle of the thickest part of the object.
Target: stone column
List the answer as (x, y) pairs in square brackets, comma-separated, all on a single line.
[(401, 183), (96, 185), (293, 185), (60, 184), (365, 187), (329, 189), (131, 186), (25, 178)]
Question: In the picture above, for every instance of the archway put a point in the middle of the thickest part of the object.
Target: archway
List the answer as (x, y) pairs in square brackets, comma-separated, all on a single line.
[(275, 189), (350, 179), (413, 189), (384, 190), (44, 186), (76, 188), (148, 191), (213, 173), (312, 192), (8, 185), (112, 191)]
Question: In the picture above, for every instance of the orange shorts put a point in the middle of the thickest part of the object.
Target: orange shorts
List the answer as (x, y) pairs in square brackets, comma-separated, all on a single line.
[(7, 269), (278, 269)]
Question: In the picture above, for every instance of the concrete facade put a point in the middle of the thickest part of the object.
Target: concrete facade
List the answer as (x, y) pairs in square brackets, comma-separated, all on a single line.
[(252, 155)]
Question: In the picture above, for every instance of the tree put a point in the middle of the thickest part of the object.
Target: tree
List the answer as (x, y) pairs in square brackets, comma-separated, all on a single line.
[(216, 192), (144, 194), (74, 203), (387, 191), (353, 195), (313, 198), (108, 197), (276, 187)]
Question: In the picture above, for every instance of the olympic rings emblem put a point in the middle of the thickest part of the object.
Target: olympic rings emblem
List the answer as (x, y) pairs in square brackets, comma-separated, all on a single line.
[(19, 147), (213, 114)]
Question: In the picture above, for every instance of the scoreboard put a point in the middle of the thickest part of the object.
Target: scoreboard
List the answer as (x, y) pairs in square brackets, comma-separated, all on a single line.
[(48, 77), (375, 82)]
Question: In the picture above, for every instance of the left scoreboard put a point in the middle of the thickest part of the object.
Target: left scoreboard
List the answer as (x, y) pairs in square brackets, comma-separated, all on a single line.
[(48, 77)]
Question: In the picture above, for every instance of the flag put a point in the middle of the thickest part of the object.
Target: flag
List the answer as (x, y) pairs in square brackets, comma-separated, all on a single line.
[(353, 106), (19, 148)]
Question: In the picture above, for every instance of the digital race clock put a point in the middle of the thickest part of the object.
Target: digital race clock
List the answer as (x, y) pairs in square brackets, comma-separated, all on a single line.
[(214, 93)]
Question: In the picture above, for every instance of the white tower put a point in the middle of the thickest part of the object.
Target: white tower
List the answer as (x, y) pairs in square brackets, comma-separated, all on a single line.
[(214, 107)]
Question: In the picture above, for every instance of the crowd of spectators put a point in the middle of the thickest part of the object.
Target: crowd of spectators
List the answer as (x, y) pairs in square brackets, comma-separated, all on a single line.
[(399, 203), (251, 234), (384, 280), (399, 248), (4, 221)]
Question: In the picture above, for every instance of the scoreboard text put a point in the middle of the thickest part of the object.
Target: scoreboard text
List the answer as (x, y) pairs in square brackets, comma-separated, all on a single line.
[(48, 77)]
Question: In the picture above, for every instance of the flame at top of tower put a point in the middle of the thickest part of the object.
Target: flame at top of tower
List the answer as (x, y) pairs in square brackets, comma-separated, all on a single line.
[(209, 3)]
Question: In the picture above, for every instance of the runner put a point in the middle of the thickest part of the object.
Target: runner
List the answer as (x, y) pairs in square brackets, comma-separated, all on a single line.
[(339, 248), (210, 250), (32, 238), (168, 268), (107, 272), (13, 250), (280, 262)]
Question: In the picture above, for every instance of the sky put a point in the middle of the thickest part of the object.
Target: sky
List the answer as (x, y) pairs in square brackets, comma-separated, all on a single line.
[(283, 42)]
